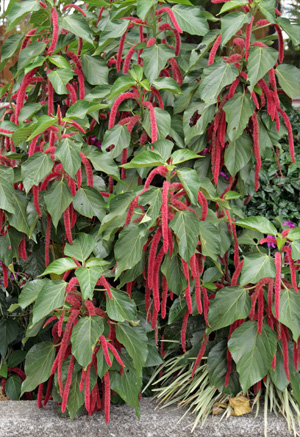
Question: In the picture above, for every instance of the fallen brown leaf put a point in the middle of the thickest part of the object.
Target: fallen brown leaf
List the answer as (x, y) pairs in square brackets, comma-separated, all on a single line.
[(240, 406)]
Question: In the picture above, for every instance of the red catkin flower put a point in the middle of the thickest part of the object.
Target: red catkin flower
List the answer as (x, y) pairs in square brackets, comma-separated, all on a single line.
[(280, 44), (116, 105), (248, 37), (200, 354), (105, 350), (40, 396), (256, 149), (115, 354), (260, 309), (161, 170), (164, 297), (27, 38), (166, 26), (285, 349), (47, 239), (233, 58), (205, 304), (164, 213), (72, 93), (277, 283), (214, 49), (290, 132), (262, 22), (183, 331), (60, 324), (153, 122), (259, 44), (203, 202), (156, 297), (176, 71), (76, 7), (236, 274), (102, 281), (188, 288), (68, 384), (106, 379), (288, 251), (233, 87), (158, 96), (67, 222), (239, 42), (120, 51), (35, 192), (48, 391), (88, 170), (128, 58), (54, 20), (171, 16)]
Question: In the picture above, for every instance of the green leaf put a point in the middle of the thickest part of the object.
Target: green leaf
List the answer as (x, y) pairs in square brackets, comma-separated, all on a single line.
[(6, 189), (83, 107), (9, 330), (57, 200), (102, 162), (16, 357), (183, 155), (191, 19), (81, 248), (168, 84), (89, 203), (229, 305), (295, 250), (43, 123), (134, 339), (289, 79), (163, 121), (153, 198), (210, 239), (120, 307), (232, 5), (59, 79), (117, 136), (214, 79), (261, 60), (238, 154), (84, 338), (118, 207), (217, 368), (95, 70), (59, 61), (190, 181), (144, 6), (231, 23), (76, 397), (172, 269), (19, 10), (13, 388), (77, 25), (128, 248), (278, 376), (68, 152), (29, 55), (35, 169), (28, 111), (155, 59), (127, 385), (112, 30), (177, 310), (185, 224), (289, 311), (252, 352), (49, 298), (257, 267), (259, 223), (267, 8), (60, 266), (122, 84), (238, 111), (30, 292), (292, 29), (10, 46), (38, 364), (87, 278), (19, 219), (145, 159)]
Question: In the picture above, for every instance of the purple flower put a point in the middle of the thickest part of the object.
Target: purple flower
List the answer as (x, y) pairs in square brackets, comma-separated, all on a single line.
[(289, 224), (271, 244), (9, 247), (224, 175)]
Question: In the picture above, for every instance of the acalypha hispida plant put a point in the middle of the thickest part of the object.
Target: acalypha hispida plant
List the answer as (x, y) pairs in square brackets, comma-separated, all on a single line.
[(131, 135)]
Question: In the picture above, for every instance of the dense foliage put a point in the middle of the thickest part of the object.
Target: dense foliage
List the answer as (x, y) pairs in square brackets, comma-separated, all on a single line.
[(131, 137)]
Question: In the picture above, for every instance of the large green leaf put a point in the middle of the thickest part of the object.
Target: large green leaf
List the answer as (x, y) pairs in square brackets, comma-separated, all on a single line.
[(190, 181), (35, 169), (30, 292), (238, 111), (185, 224), (177, 310), (260, 224), (210, 239), (9, 330), (183, 155), (81, 248), (43, 123), (57, 200), (172, 269), (89, 203), (229, 305), (191, 19), (127, 385), (38, 364), (134, 339), (112, 30), (168, 84), (60, 266), (295, 250), (87, 278), (83, 107), (267, 8), (117, 136), (95, 70), (257, 267), (13, 387), (118, 207), (155, 59), (19, 10), (102, 162), (84, 338), (163, 121), (289, 79), (292, 29), (49, 298), (238, 154), (214, 79), (6, 189), (217, 369), (19, 219), (76, 397), (120, 307), (145, 159), (152, 197), (77, 25), (59, 79), (261, 60), (252, 352), (122, 84), (278, 375), (231, 23), (68, 152), (129, 247), (289, 311), (144, 6), (10, 46)]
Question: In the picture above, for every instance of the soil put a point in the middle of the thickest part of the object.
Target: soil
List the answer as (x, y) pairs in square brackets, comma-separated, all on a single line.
[(2, 397)]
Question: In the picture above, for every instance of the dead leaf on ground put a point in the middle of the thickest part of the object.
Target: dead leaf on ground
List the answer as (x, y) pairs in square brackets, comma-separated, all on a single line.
[(240, 406)]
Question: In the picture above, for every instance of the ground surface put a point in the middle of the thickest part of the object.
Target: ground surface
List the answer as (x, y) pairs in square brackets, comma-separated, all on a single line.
[(24, 419)]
